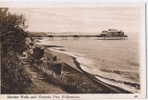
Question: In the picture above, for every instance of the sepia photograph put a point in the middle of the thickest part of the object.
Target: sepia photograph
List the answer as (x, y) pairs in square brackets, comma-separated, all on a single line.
[(71, 49)]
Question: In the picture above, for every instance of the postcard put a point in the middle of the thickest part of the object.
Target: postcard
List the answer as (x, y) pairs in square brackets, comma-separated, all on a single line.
[(73, 51)]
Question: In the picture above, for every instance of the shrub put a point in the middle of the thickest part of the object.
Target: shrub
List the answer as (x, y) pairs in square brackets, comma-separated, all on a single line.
[(12, 44)]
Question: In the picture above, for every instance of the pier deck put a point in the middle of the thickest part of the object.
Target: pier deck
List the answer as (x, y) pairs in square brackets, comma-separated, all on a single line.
[(83, 36)]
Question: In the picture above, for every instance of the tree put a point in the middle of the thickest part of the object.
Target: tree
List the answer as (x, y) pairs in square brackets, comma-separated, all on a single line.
[(11, 30)]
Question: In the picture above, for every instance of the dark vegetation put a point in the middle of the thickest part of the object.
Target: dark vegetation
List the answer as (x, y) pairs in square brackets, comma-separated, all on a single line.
[(12, 44)]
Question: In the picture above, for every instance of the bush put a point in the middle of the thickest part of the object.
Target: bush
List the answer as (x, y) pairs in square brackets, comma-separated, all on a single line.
[(12, 43)]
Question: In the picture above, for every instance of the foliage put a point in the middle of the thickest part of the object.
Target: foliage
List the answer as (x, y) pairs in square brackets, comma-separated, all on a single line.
[(11, 32), (12, 44)]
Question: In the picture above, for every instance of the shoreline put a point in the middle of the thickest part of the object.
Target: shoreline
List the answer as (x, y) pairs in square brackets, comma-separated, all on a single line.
[(71, 60), (129, 86)]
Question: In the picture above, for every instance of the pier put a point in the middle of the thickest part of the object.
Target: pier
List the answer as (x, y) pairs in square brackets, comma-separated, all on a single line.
[(110, 34), (99, 37)]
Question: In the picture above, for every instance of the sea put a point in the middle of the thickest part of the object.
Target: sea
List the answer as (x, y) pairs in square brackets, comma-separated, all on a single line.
[(115, 62)]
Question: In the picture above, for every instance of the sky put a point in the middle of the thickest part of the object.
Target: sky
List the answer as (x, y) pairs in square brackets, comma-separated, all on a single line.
[(82, 18)]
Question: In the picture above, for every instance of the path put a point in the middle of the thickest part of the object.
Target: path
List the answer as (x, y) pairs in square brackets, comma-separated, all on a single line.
[(39, 83)]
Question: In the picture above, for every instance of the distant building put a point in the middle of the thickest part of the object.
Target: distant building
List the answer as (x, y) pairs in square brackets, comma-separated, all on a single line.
[(112, 33)]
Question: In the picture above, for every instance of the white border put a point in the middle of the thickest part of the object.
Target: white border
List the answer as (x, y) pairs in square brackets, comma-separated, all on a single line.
[(94, 96)]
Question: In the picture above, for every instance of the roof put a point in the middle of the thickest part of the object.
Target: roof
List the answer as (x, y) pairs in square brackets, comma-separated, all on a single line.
[(112, 30)]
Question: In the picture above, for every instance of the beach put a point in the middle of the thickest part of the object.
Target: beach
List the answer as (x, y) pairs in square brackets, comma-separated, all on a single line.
[(73, 78), (124, 78)]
